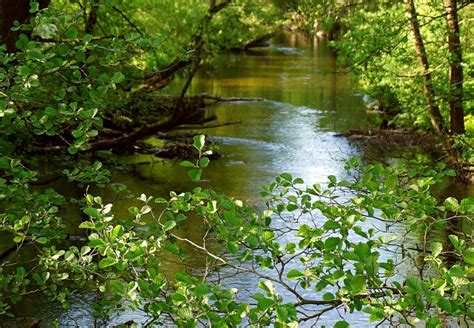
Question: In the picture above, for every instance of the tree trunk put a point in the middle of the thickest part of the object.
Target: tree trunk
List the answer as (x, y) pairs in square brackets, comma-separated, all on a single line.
[(91, 17), (10, 11), (455, 69), (14, 10), (428, 89)]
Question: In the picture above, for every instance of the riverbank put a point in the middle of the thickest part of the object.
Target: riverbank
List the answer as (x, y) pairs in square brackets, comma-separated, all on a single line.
[(309, 103)]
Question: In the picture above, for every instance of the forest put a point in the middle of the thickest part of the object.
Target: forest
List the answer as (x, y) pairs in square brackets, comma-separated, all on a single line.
[(236, 163)]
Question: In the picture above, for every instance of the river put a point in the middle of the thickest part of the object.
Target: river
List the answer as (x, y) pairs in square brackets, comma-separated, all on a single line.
[(308, 101)]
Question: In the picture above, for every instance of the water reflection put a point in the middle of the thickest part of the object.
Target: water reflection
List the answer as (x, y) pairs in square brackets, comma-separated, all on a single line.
[(294, 130), (307, 102)]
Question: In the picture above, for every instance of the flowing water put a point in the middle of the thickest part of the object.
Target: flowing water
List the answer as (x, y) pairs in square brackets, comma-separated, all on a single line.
[(309, 100)]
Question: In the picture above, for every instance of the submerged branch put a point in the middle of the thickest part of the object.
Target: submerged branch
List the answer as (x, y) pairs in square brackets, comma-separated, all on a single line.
[(192, 127), (232, 99)]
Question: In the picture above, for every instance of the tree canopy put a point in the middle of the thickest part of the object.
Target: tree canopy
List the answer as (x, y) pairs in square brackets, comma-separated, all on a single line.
[(84, 76)]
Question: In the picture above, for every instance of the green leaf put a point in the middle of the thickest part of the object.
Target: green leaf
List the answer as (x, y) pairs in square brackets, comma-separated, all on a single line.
[(291, 207), (77, 133), (331, 243), (118, 286), (202, 290), (282, 313), (451, 204), (467, 206), (42, 240), (263, 302), (24, 70), (331, 225), (184, 277), (457, 271), (233, 247), (298, 181), (328, 296), (106, 262), (295, 274), (118, 77), (341, 324), (73, 150), (72, 33), (194, 174), (357, 284), (92, 133), (173, 248), (362, 251), (287, 176), (115, 31), (267, 286), (469, 256), (187, 164), (414, 284), (290, 248), (436, 249), (445, 305), (117, 231), (433, 322), (132, 293), (92, 212), (87, 225), (454, 240), (169, 225), (134, 253), (204, 162), (391, 181), (34, 7), (199, 141), (232, 218), (252, 240)]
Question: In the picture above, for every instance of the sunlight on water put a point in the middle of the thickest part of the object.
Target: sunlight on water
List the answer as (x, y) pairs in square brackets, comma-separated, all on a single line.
[(308, 101)]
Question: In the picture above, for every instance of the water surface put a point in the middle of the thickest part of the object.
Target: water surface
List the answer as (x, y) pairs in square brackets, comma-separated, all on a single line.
[(308, 101)]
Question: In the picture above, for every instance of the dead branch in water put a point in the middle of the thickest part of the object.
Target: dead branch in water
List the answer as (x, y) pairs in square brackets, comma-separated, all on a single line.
[(187, 117), (194, 126), (232, 99)]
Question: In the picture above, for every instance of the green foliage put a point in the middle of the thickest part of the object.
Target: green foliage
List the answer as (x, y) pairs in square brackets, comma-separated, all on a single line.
[(201, 162), (326, 250), (63, 81), (314, 243), (379, 49)]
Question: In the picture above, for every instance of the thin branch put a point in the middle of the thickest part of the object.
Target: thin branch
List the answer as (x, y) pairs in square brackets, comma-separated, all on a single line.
[(194, 127), (135, 27)]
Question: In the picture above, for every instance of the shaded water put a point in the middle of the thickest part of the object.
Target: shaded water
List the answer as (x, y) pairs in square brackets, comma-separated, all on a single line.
[(308, 101)]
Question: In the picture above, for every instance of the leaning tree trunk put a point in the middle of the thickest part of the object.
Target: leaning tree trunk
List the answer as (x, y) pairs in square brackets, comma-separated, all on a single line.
[(429, 92), (455, 68)]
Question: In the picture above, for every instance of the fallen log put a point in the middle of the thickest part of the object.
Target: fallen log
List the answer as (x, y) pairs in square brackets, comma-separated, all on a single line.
[(190, 115), (165, 124)]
